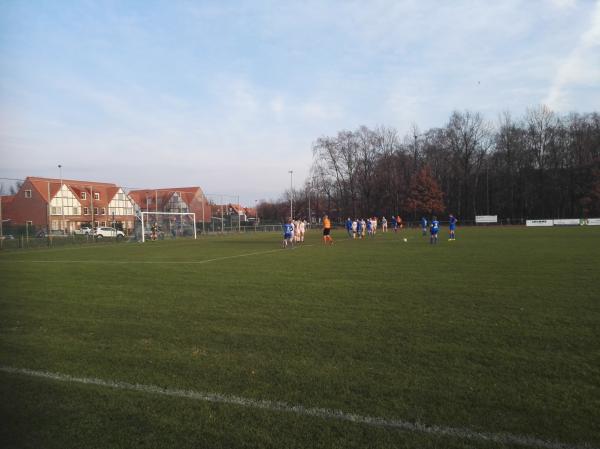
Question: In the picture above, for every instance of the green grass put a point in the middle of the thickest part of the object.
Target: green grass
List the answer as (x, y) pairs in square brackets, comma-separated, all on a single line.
[(497, 332)]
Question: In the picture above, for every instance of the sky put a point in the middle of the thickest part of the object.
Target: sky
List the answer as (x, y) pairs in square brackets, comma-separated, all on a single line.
[(231, 95)]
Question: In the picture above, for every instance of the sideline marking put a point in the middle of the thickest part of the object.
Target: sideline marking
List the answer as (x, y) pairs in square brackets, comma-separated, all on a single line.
[(278, 406), (161, 262)]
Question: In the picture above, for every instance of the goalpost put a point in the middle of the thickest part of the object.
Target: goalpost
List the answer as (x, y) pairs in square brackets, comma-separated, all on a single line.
[(176, 224)]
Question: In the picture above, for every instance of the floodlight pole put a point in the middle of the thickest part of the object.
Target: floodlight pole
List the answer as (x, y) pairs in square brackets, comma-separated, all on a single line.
[(92, 205), (291, 172), (143, 231), (309, 215), (48, 209), (62, 204), (239, 216)]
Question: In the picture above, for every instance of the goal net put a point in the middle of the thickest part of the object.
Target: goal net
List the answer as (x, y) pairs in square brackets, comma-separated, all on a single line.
[(165, 225)]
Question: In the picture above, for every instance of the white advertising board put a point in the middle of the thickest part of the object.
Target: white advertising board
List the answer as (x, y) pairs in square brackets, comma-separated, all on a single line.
[(539, 222), (593, 222), (567, 222), (486, 218)]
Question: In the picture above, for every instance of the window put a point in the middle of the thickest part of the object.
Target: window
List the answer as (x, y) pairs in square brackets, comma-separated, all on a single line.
[(27, 193), (86, 211), (84, 195), (95, 211), (75, 211), (96, 196), (29, 223), (56, 210), (103, 211)]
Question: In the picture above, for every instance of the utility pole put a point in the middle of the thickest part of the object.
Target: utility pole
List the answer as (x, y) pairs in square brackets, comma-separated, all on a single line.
[(309, 192), (92, 205), (62, 204), (256, 222), (48, 209)]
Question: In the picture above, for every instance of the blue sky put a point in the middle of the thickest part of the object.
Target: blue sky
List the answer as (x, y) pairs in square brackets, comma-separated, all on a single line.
[(230, 95)]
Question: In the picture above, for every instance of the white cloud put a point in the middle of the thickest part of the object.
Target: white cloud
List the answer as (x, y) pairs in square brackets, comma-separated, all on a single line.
[(563, 4), (580, 69)]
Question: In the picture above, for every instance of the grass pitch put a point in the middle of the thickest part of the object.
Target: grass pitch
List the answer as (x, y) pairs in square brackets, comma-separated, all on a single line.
[(496, 333)]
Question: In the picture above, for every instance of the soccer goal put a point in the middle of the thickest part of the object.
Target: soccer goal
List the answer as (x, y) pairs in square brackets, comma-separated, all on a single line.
[(166, 225)]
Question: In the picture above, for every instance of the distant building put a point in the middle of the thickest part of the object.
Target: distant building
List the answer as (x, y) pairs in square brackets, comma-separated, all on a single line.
[(66, 205), (173, 199)]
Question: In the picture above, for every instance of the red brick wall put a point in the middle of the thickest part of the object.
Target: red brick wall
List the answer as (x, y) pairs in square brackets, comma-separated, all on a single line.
[(23, 209)]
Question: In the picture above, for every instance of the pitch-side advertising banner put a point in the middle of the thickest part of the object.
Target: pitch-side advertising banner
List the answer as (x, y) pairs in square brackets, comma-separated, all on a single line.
[(567, 222), (486, 218), (592, 222), (539, 222)]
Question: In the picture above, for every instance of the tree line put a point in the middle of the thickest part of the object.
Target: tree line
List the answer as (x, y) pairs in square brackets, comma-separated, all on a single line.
[(540, 165)]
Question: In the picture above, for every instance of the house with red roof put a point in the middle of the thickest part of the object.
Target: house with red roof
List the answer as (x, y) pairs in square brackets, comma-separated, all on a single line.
[(66, 205), (173, 199)]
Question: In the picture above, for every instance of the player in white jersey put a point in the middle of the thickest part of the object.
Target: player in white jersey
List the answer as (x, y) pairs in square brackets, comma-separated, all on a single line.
[(354, 228), (296, 231), (301, 229)]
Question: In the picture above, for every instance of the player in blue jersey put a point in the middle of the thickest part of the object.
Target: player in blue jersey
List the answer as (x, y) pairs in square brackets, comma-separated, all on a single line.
[(349, 227), (433, 230), (452, 220), (369, 227), (424, 226), (288, 234), (359, 228)]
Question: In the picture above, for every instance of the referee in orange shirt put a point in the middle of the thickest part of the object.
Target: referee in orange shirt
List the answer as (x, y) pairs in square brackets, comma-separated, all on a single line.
[(327, 231)]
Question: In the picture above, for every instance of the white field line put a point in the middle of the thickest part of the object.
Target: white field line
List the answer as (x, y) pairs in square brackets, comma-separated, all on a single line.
[(159, 262), (277, 406)]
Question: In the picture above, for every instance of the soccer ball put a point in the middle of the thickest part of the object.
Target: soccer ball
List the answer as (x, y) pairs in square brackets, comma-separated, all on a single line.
[(405, 239)]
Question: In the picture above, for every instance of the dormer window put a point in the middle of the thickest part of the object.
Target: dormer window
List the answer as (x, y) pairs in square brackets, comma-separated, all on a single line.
[(27, 193), (96, 196), (84, 195)]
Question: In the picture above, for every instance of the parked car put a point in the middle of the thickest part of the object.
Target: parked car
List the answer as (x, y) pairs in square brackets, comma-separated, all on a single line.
[(7, 237), (85, 230), (102, 232)]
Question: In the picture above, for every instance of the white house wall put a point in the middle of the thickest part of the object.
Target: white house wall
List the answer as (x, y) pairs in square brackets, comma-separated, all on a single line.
[(121, 204), (176, 204), (65, 203)]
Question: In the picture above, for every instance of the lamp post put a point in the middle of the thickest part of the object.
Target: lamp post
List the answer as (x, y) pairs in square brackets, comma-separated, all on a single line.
[(309, 214), (256, 210), (62, 205), (291, 172)]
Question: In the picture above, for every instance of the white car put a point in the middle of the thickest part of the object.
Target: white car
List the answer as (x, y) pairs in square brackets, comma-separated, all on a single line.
[(85, 230), (102, 232)]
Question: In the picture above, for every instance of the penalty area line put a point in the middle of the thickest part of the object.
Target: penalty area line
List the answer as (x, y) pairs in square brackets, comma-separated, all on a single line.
[(279, 406), (149, 262)]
